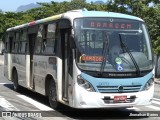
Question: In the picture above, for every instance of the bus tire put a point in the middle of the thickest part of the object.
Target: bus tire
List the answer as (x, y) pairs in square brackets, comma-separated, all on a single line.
[(53, 95), (15, 81)]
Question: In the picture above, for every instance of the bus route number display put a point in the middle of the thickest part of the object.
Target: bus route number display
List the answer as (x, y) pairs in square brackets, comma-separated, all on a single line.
[(99, 24), (92, 58)]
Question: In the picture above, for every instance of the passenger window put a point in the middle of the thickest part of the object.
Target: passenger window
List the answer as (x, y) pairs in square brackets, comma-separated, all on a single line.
[(46, 39), (39, 40), (17, 36), (49, 38), (23, 41)]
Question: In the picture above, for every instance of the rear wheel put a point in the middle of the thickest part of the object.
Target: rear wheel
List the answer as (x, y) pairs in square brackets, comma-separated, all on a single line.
[(53, 95), (15, 81)]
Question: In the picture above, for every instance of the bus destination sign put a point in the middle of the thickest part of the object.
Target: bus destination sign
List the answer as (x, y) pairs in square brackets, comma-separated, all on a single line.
[(99, 24)]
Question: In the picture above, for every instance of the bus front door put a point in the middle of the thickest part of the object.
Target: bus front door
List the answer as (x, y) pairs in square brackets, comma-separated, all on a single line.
[(65, 64)]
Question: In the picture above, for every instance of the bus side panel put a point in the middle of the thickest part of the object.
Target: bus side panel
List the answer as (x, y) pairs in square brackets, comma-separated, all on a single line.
[(41, 69), (19, 64), (39, 76), (7, 65)]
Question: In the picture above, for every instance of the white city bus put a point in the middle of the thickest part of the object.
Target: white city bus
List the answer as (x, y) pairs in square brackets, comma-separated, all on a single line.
[(84, 59)]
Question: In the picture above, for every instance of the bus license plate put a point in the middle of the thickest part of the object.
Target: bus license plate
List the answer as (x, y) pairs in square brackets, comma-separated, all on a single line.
[(120, 98)]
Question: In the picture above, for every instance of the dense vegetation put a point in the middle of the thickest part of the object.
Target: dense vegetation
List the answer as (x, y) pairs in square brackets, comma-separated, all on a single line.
[(148, 10)]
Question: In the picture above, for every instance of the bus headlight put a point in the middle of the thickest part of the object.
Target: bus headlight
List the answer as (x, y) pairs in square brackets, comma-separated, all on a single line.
[(148, 84), (85, 84)]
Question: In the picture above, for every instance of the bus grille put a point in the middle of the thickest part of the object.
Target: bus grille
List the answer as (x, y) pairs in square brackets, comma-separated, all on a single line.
[(119, 89)]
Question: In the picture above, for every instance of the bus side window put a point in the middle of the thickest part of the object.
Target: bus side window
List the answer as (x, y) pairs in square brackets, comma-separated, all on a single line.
[(39, 40), (6, 43), (16, 42), (13, 47), (9, 43), (44, 36), (23, 41), (16, 47), (44, 45), (20, 47), (50, 38)]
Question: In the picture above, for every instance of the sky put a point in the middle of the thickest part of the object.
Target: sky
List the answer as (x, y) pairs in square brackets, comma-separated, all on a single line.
[(12, 5)]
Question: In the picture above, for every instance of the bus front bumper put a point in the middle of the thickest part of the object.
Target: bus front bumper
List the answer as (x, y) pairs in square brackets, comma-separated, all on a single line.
[(85, 99)]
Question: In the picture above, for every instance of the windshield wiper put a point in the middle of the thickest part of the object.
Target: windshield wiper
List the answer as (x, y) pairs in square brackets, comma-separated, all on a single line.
[(124, 46), (105, 49)]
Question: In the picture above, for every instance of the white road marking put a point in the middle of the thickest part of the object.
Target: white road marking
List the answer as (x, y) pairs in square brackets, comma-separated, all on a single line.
[(156, 102), (153, 107), (3, 83), (156, 99), (35, 103), (4, 104)]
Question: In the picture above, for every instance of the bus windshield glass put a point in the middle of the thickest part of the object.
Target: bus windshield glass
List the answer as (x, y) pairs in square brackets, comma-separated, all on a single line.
[(112, 45)]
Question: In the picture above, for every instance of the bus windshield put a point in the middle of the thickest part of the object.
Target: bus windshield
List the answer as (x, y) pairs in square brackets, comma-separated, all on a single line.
[(112, 45)]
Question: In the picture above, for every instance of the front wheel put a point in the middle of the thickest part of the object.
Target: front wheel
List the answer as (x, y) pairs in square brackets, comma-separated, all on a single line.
[(53, 95)]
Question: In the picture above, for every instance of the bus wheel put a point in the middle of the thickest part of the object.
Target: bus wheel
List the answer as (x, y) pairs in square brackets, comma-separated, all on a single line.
[(15, 81), (53, 95)]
